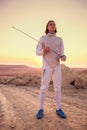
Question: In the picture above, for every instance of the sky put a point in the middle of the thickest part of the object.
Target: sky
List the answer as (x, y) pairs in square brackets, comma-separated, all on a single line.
[(31, 16)]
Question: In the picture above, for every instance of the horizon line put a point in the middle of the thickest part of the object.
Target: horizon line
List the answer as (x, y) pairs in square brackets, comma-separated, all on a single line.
[(39, 66)]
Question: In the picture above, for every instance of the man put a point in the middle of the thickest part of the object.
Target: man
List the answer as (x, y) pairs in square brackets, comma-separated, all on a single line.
[(51, 48)]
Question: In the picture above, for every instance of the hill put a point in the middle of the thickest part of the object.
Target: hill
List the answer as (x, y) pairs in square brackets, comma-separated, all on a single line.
[(18, 69)]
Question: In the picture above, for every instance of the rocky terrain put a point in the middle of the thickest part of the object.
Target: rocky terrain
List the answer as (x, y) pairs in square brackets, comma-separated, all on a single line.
[(19, 100)]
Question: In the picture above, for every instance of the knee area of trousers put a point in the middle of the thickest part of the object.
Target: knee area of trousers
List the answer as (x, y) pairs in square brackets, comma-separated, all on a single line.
[(57, 89), (43, 90)]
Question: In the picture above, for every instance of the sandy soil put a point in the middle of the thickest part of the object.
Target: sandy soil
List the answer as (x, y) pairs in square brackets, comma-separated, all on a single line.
[(19, 105)]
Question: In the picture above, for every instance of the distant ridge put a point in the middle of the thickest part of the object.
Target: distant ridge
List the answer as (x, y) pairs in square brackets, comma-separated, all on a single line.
[(17, 66), (14, 67), (17, 69)]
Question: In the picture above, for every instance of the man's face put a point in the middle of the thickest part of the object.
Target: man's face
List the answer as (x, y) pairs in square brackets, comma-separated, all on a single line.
[(51, 27)]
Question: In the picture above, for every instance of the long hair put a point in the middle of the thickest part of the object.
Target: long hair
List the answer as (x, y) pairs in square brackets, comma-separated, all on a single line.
[(47, 31)]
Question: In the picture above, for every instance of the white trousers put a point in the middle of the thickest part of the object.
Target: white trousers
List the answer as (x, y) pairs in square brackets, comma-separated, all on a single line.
[(54, 74)]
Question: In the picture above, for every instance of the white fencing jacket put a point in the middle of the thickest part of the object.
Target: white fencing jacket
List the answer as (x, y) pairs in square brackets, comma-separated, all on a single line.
[(55, 43)]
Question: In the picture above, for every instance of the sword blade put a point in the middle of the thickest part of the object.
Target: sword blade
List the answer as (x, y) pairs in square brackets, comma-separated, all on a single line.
[(32, 38)]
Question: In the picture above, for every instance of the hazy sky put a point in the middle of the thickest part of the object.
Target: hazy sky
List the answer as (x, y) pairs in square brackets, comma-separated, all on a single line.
[(31, 16)]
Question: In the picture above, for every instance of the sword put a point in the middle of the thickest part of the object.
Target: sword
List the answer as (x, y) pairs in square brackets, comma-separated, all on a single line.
[(34, 39)]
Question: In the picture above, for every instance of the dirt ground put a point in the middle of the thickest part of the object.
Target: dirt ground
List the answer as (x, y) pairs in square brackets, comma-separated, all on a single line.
[(19, 105)]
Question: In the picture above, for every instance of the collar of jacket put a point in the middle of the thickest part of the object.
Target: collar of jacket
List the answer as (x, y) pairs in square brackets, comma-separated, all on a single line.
[(51, 34)]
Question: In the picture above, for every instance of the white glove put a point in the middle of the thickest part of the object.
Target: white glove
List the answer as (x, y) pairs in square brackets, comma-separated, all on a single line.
[(63, 58)]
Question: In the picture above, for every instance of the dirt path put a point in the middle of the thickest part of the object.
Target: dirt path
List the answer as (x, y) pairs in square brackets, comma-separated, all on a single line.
[(19, 105)]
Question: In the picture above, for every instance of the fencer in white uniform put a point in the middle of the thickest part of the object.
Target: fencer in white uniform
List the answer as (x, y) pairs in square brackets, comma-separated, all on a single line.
[(51, 48)]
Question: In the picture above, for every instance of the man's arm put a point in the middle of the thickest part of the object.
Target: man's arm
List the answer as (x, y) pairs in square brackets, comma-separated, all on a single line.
[(39, 48)]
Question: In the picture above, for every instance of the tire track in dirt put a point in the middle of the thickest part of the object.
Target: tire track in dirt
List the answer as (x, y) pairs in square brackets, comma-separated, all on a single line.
[(7, 115)]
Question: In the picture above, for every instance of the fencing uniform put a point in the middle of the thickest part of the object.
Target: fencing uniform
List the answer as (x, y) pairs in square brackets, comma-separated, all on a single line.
[(51, 66)]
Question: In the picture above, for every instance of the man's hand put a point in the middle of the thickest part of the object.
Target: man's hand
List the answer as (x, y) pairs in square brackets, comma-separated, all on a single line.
[(46, 50)]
